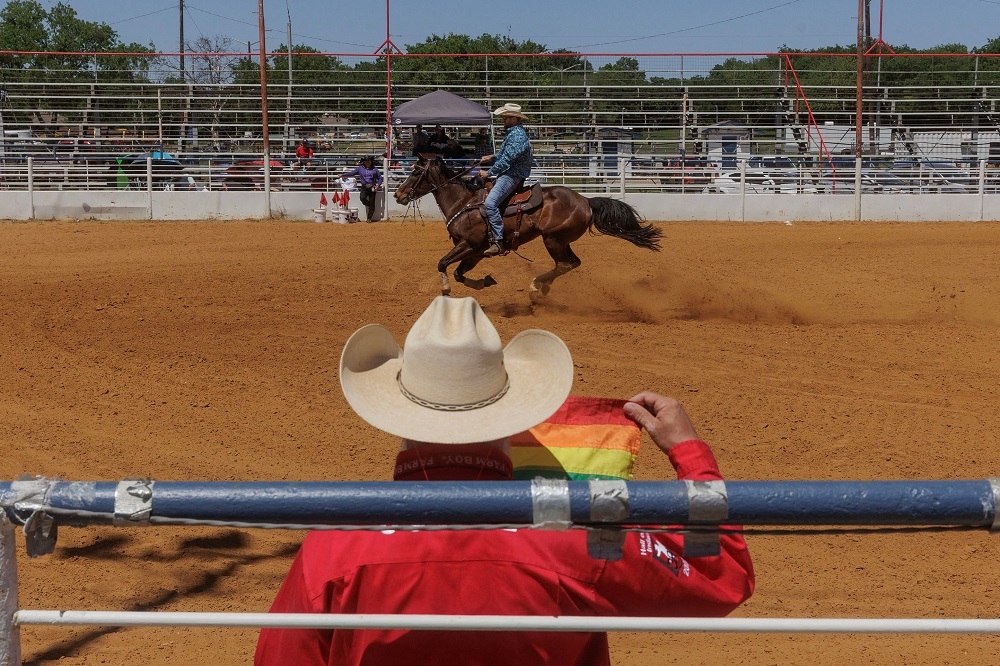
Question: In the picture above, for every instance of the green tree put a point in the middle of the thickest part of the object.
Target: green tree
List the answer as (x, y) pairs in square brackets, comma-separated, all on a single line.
[(56, 46)]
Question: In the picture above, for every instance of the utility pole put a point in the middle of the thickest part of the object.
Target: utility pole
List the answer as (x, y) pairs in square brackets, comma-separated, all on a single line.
[(288, 110), (3, 135), (872, 128), (859, 84), (265, 133), (180, 4)]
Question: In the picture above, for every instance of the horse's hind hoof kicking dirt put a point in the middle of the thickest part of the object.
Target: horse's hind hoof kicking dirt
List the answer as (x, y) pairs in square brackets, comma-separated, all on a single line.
[(562, 218)]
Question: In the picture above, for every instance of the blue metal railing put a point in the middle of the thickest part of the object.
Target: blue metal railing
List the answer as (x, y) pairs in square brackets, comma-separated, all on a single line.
[(970, 503)]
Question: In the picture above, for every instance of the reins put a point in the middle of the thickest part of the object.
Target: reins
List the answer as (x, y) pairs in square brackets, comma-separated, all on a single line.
[(434, 188), (423, 172)]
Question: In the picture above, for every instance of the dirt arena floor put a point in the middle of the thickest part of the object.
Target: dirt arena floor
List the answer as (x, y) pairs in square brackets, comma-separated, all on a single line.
[(208, 351)]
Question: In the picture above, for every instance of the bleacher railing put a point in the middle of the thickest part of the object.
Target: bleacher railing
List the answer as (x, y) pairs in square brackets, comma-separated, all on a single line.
[(655, 109)]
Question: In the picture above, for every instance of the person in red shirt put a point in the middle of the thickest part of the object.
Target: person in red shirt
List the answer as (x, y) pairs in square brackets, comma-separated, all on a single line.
[(454, 395), (303, 154)]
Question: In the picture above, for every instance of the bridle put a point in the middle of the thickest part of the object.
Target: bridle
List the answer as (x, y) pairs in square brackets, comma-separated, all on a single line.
[(423, 174)]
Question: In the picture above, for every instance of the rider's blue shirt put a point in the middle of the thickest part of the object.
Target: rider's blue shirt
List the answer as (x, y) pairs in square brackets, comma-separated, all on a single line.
[(514, 156)]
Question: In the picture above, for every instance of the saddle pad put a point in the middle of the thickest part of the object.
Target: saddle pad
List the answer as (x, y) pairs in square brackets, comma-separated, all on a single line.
[(588, 438)]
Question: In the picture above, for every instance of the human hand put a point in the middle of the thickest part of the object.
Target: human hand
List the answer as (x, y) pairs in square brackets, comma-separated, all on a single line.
[(663, 418), (485, 158), (483, 173)]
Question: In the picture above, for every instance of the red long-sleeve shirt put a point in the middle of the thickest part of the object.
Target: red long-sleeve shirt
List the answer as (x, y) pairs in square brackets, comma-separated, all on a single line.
[(504, 572)]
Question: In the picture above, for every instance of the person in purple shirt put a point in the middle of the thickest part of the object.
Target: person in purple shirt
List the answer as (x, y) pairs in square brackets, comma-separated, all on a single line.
[(510, 166), (370, 179)]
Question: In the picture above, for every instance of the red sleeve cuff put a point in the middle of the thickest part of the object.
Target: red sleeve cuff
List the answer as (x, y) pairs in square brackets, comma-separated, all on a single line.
[(693, 459)]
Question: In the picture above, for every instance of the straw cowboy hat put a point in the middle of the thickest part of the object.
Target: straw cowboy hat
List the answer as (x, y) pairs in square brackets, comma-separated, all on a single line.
[(509, 109), (453, 382)]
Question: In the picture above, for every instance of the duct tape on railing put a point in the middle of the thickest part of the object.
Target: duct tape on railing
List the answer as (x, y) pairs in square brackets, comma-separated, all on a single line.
[(550, 503), (133, 502), (608, 504), (29, 495), (708, 502)]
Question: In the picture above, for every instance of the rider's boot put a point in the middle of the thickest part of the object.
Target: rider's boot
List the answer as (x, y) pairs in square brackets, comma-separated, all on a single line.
[(495, 248)]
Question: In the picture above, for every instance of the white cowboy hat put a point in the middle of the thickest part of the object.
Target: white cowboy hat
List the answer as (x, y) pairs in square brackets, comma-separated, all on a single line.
[(509, 109), (454, 383)]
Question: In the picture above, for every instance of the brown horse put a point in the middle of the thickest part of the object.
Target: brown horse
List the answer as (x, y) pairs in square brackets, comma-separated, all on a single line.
[(562, 218)]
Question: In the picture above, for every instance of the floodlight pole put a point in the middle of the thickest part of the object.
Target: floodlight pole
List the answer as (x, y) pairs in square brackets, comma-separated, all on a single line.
[(387, 47), (265, 134), (288, 110), (180, 5), (859, 85)]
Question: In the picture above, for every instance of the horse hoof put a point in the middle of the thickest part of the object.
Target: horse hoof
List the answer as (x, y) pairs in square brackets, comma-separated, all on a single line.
[(488, 281), (541, 290)]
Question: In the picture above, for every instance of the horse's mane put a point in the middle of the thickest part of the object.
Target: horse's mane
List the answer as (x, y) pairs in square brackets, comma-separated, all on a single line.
[(446, 170), (448, 173)]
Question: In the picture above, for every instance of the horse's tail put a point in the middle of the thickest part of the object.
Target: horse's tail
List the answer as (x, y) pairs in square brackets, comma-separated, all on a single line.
[(617, 218)]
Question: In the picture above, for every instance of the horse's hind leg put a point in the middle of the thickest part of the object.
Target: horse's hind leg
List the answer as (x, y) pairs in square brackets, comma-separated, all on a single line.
[(565, 262)]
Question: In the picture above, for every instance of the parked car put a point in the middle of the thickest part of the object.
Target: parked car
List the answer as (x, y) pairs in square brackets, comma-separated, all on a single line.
[(873, 181), (760, 182), (687, 172), (770, 163), (129, 171), (249, 174), (938, 176)]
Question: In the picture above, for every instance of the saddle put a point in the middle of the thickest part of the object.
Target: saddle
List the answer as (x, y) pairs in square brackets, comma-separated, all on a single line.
[(523, 200)]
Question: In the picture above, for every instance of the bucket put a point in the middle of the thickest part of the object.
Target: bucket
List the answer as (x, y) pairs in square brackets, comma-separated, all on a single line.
[(340, 215), (352, 214), (320, 214)]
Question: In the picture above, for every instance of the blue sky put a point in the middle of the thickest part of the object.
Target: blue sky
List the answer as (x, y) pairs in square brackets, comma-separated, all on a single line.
[(590, 26)]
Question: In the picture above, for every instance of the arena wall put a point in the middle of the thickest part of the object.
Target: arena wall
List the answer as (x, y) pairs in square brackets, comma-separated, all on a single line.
[(228, 205)]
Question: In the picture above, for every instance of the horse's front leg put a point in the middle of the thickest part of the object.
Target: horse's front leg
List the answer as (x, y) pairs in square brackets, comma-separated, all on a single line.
[(467, 265), (460, 252)]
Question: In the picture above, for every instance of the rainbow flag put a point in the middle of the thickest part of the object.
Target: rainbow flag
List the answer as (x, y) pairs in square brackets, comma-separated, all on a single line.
[(588, 438)]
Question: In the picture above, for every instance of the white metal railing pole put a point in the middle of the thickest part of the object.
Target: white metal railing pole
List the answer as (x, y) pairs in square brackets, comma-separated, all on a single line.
[(510, 622), (31, 187), (743, 190), (10, 636), (386, 166), (982, 188), (149, 187), (857, 189)]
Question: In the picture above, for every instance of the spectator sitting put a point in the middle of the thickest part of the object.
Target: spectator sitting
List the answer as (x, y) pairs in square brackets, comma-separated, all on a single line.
[(455, 395), (421, 142), (303, 154), (439, 140), (453, 150), (484, 143)]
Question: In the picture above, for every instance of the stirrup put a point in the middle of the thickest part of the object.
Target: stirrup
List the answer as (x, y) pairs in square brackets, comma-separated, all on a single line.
[(493, 250)]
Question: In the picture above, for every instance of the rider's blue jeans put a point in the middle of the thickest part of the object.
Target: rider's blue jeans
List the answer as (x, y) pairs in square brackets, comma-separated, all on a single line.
[(502, 188)]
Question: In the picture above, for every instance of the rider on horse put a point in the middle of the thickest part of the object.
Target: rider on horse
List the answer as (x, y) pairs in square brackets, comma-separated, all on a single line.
[(511, 165)]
